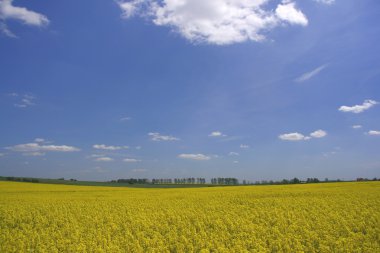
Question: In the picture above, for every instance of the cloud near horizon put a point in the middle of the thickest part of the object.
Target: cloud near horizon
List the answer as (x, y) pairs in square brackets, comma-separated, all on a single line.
[(105, 147), (198, 157), (216, 134), (104, 159), (219, 22), (131, 160)]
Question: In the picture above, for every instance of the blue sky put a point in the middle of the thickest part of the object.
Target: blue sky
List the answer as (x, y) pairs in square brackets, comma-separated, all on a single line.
[(258, 90)]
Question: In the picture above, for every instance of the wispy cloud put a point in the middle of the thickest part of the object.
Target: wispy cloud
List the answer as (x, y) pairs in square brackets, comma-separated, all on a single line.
[(110, 148), (28, 17), (233, 154), (367, 104), (34, 154), (198, 157), (5, 30), (357, 126), (37, 147), (220, 22), (306, 76), (125, 118), (95, 170), (159, 137), (131, 160), (104, 159), (24, 100)]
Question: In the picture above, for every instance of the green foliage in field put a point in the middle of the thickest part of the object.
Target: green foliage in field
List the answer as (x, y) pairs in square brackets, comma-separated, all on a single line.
[(336, 217)]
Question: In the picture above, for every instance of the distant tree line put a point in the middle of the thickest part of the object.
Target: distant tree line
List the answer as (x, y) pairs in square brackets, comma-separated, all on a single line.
[(225, 181), (360, 179), (132, 181), (190, 180), (22, 179), (283, 181), (289, 181), (215, 181), (198, 180)]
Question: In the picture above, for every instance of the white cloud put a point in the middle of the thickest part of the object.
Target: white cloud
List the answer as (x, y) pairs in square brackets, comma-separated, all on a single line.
[(8, 11), (318, 134), (244, 146), (138, 147), (374, 132), (198, 157), (131, 160), (159, 137), (36, 147), (306, 76), (287, 11), (28, 17), (235, 162), (292, 137), (216, 134), (300, 137), (357, 126), (328, 2), (367, 104), (104, 159), (219, 22), (105, 147), (233, 154)]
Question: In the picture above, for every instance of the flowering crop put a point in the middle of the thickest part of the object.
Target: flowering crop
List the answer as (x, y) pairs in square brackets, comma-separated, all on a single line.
[(331, 217)]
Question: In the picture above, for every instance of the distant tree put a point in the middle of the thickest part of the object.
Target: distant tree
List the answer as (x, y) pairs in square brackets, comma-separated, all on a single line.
[(295, 181)]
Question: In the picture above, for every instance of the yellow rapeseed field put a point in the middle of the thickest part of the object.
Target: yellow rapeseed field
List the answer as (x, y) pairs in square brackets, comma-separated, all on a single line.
[(332, 217)]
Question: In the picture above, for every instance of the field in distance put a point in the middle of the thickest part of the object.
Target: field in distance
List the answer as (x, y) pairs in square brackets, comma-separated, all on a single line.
[(334, 217)]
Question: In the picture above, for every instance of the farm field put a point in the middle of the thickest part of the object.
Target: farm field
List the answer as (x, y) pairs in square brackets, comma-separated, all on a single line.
[(331, 217)]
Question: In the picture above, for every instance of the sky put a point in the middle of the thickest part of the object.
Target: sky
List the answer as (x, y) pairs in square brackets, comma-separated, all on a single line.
[(252, 89)]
